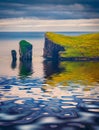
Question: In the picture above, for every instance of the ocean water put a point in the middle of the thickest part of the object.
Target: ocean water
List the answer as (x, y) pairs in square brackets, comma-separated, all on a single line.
[(46, 95)]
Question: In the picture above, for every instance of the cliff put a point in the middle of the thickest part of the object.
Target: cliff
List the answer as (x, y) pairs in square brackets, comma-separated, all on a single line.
[(83, 47), (51, 49)]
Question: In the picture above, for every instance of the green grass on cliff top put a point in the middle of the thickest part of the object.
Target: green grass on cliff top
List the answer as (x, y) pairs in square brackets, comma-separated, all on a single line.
[(86, 45)]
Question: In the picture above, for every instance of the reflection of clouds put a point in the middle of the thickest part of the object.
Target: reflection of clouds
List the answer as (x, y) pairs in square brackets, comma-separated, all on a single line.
[(15, 91), (29, 102), (59, 92), (35, 93)]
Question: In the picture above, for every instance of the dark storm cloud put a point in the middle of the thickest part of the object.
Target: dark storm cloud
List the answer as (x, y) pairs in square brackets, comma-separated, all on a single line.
[(51, 1), (49, 9)]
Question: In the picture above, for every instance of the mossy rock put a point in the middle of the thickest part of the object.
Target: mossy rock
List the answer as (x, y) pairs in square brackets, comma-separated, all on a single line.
[(25, 50)]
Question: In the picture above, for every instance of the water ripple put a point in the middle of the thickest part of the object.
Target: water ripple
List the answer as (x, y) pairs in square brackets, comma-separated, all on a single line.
[(33, 105)]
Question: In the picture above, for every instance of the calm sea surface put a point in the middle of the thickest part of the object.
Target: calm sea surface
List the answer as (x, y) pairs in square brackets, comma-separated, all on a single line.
[(45, 95)]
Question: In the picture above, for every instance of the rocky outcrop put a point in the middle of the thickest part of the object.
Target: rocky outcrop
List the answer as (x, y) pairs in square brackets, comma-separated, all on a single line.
[(14, 55), (25, 50), (52, 50)]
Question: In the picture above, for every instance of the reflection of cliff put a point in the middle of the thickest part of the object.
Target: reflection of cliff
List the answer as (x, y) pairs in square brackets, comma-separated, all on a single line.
[(51, 67), (51, 50), (25, 68), (83, 72)]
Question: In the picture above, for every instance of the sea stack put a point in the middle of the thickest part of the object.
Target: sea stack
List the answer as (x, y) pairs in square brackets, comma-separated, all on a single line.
[(25, 50), (14, 55)]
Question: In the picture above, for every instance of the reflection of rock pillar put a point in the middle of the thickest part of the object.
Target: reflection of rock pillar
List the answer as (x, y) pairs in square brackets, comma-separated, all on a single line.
[(13, 64), (25, 68)]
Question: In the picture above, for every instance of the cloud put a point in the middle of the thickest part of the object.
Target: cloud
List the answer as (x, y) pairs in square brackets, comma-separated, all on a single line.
[(49, 15), (50, 10), (30, 24), (67, 2)]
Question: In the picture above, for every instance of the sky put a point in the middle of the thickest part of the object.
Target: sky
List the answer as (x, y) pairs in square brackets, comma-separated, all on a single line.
[(49, 15)]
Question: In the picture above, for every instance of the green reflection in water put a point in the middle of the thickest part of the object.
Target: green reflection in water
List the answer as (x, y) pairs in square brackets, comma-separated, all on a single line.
[(25, 68), (78, 72)]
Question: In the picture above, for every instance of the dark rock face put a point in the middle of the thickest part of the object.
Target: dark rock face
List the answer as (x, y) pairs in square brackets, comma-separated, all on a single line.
[(51, 50), (25, 50), (14, 55)]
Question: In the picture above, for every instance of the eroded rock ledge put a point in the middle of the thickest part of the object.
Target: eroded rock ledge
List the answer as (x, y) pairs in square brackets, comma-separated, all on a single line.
[(52, 50)]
